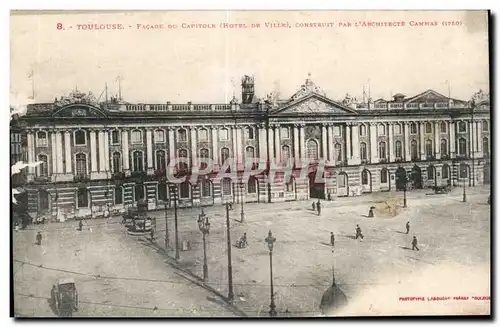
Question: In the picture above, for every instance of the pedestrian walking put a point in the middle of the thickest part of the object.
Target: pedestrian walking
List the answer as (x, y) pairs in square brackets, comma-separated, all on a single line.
[(152, 235), (39, 238), (314, 206), (358, 232), (80, 226), (414, 244), (318, 207), (407, 227), (332, 239)]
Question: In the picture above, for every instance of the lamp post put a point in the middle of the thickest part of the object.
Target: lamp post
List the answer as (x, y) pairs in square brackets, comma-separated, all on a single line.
[(404, 192), (173, 191), (167, 237), (472, 131), (242, 188), (464, 195), (230, 295), (270, 239), (204, 226)]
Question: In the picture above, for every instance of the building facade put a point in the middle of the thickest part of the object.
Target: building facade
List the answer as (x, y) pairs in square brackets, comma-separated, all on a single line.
[(98, 156)]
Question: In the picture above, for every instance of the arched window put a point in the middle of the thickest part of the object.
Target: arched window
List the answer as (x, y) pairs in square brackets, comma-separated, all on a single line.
[(204, 155), (445, 171), (43, 168), (399, 150), (312, 150), (414, 150), (428, 127), (462, 146), (117, 162), (362, 130), (159, 136), (362, 151), (428, 148), (139, 192), (138, 161), (430, 172), (249, 152), (41, 139), (444, 147), (397, 129), (462, 127), (250, 133), (252, 185), (485, 126), (381, 129), (365, 177), (381, 150), (183, 159), (226, 186), (182, 135), (384, 176), (160, 160), (486, 146), (223, 134), (338, 151), (206, 188), (162, 191), (444, 127), (81, 164), (118, 194), (136, 137), (413, 128), (115, 137), (82, 198), (203, 134), (285, 153), (80, 137), (224, 155)]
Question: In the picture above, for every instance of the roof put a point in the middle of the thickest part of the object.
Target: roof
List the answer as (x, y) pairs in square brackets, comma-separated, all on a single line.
[(399, 95), (65, 281)]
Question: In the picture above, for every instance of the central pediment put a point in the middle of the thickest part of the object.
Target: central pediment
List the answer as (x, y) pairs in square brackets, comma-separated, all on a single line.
[(314, 104)]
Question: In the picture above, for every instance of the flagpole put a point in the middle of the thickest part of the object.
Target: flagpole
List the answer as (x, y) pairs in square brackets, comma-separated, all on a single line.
[(32, 84)]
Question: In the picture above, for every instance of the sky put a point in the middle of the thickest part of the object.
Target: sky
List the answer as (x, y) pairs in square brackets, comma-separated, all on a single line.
[(206, 65)]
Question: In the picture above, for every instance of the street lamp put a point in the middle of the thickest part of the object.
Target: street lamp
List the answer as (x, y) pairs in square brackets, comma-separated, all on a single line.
[(270, 239), (167, 237), (464, 195), (404, 191), (242, 188), (230, 295), (204, 226), (173, 191)]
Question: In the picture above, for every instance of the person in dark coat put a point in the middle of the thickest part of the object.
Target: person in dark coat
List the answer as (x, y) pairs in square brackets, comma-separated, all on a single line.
[(152, 235), (358, 232), (332, 239), (314, 206), (39, 238), (80, 225), (414, 244), (318, 207), (407, 227)]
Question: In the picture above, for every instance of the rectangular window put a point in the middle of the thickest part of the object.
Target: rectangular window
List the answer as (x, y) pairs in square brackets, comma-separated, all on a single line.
[(115, 137), (136, 137), (159, 136), (285, 133), (203, 134), (337, 131)]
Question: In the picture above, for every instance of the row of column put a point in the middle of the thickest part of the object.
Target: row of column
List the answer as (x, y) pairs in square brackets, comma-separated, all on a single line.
[(62, 160)]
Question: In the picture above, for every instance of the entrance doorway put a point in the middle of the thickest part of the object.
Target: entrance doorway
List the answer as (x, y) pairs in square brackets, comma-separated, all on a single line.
[(43, 201), (400, 179), (316, 186), (486, 174), (416, 177)]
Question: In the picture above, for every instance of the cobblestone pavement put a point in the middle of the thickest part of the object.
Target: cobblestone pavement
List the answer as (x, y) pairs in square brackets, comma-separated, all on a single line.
[(454, 241), (114, 275)]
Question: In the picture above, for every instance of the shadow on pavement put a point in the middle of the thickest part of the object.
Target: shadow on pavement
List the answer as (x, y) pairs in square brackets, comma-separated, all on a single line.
[(405, 248), (400, 232), (324, 243), (349, 236)]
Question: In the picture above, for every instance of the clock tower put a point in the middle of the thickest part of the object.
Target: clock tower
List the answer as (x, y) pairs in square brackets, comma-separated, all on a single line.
[(247, 89)]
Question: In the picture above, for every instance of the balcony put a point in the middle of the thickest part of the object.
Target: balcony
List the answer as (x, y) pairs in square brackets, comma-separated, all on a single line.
[(81, 178), (118, 176), (383, 160), (445, 156), (159, 174)]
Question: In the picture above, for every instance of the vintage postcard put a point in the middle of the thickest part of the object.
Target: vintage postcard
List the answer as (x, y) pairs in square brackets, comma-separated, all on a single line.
[(250, 163)]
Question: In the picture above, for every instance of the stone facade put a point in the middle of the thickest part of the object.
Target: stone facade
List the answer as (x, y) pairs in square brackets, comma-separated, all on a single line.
[(109, 155)]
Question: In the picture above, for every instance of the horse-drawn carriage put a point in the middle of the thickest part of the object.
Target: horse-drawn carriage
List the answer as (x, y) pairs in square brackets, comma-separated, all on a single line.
[(64, 296), (443, 189), (136, 220)]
